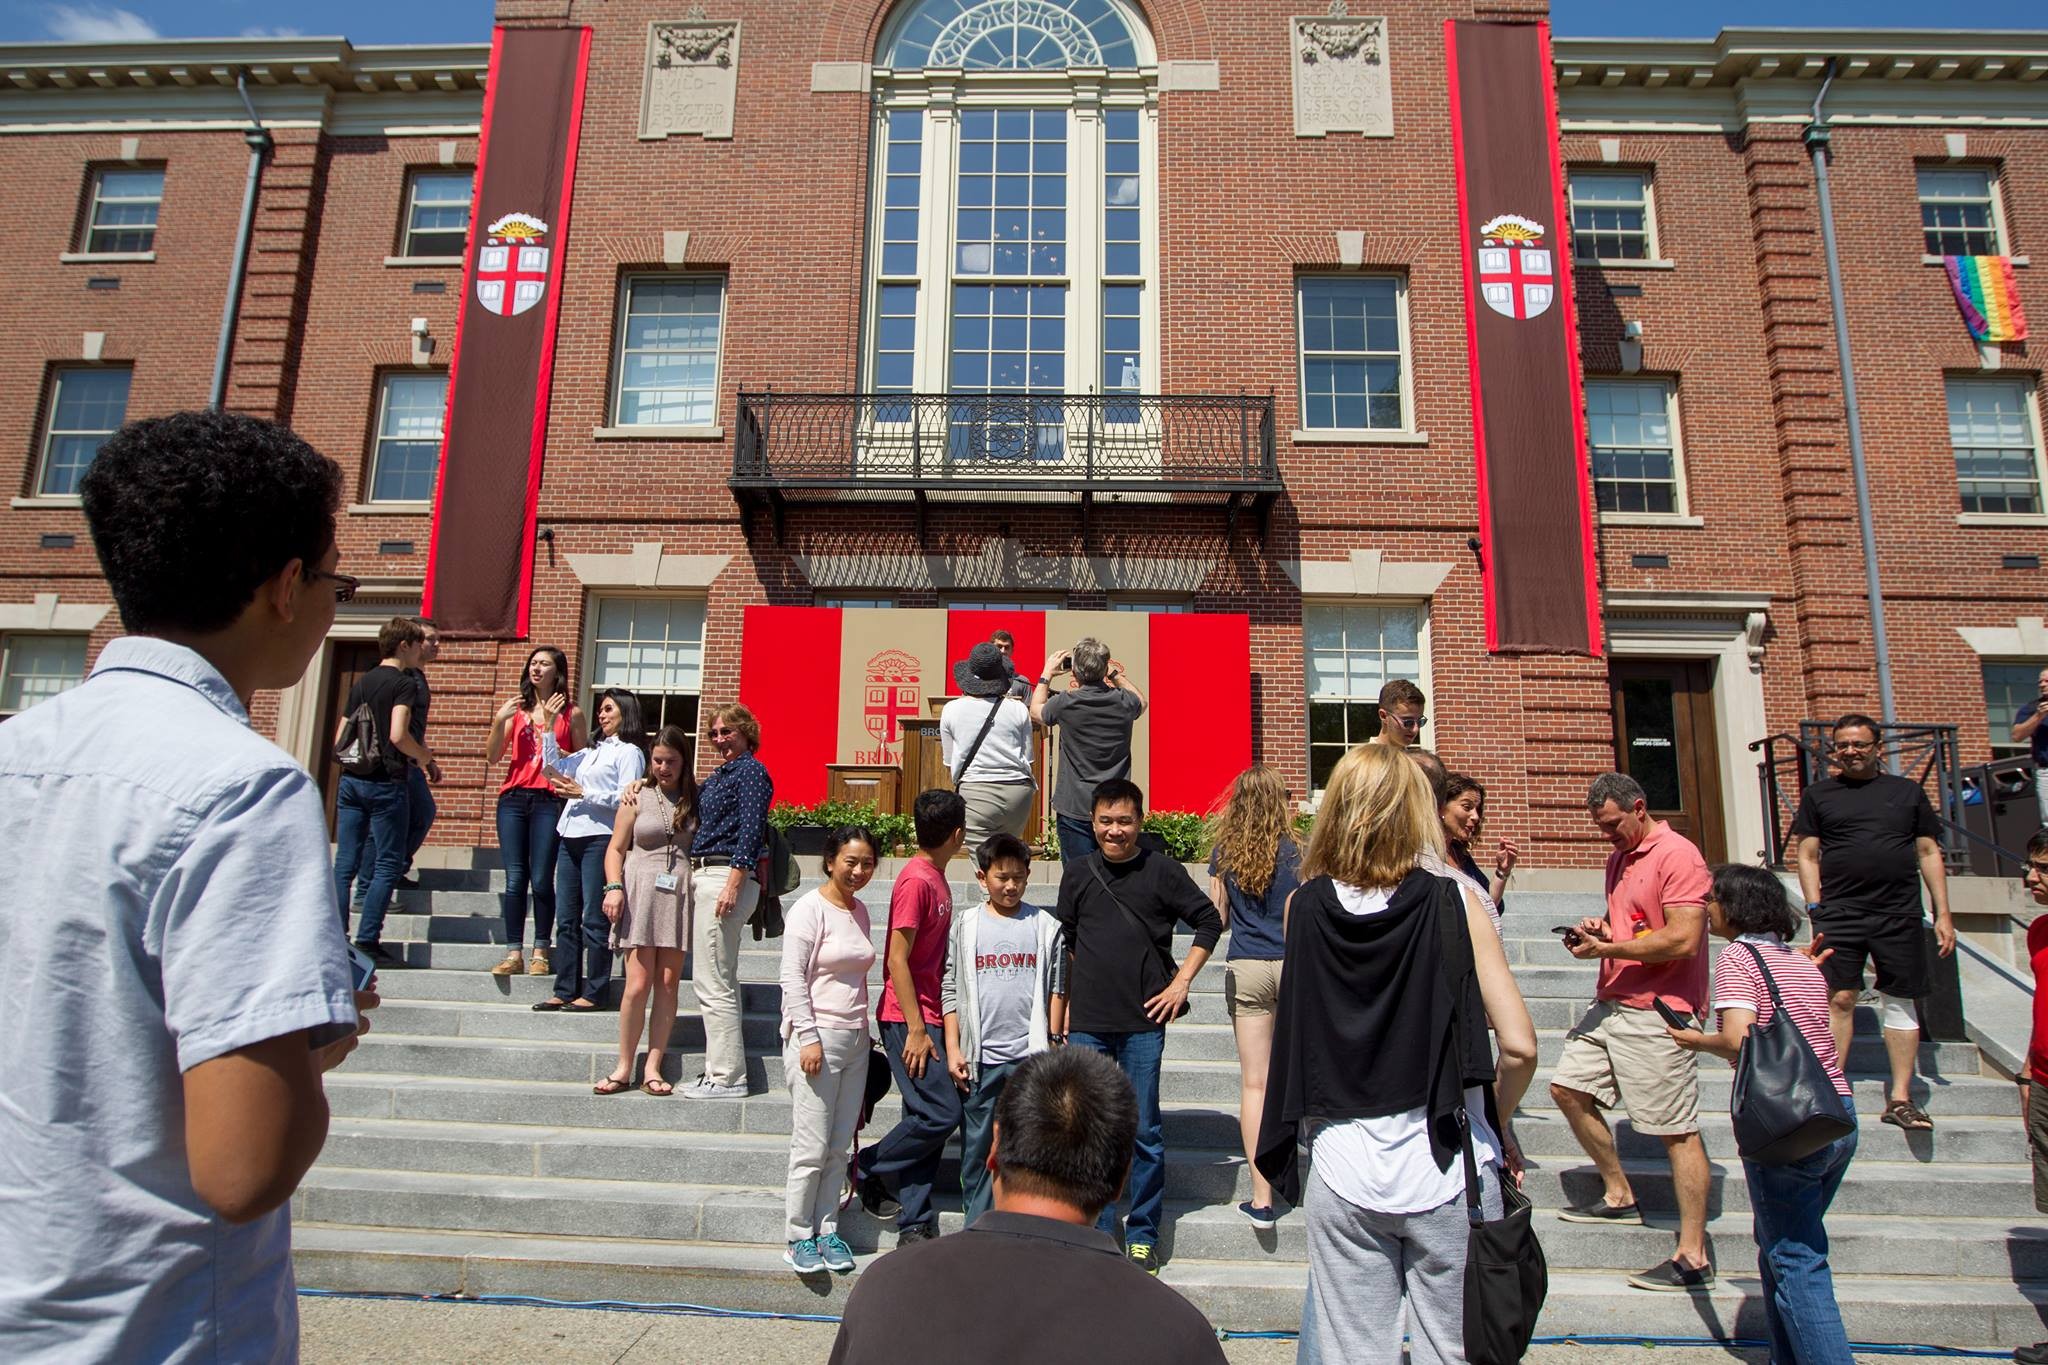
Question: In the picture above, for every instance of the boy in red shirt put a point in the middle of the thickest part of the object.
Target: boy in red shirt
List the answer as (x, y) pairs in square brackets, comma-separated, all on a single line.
[(2035, 1077)]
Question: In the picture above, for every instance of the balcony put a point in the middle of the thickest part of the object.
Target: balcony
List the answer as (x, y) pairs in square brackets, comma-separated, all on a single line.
[(847, 449)]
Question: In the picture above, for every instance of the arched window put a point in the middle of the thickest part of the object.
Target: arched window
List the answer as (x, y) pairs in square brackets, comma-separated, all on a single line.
[(1014, 191)]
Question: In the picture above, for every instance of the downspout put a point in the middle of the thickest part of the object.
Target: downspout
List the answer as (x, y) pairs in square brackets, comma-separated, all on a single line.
[(258, 139), (1816, 138)]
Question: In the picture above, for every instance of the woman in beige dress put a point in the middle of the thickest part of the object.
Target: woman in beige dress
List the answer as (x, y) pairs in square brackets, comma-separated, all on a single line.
[(647, 900)]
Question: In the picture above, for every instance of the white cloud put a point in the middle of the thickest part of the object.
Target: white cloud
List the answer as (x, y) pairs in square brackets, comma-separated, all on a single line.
[(96, 24)]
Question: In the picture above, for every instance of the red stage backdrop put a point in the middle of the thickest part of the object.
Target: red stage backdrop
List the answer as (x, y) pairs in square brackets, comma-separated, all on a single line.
[(1529, 428), (832, 685), (480, 561)]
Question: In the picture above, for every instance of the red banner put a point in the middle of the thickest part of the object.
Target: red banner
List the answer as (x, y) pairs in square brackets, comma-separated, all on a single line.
[(480, 561), (1528, 415)]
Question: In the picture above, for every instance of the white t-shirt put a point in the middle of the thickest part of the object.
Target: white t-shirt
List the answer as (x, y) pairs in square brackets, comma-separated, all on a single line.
[(1005, 756), (1385, 1164)]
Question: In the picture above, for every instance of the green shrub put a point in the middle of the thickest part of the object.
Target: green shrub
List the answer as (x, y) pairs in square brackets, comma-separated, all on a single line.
[(1186, 834), (896, 833)]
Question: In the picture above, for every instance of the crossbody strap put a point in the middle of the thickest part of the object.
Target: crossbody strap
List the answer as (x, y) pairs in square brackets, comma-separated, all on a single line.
[(967, 760), (1777, 1001), (1095, 866), (1447, 931)]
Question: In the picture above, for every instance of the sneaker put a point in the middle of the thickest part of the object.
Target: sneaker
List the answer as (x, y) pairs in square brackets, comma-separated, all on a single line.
[(875, 1198), (2037, 1354), (915, 1233), (513, 965), (381, 955), (1262, 1215), (1672, 1278), (803, 1257), (1600, 1211), (538, 964), (1140, 1255), (704, 1088), (409, 882), (834, 1253)]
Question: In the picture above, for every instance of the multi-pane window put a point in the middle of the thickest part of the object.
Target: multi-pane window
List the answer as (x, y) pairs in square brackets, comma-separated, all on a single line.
[(122, 215), (1123, 320), (668, 351), (1635, 451), (653, 647), (1997, 446), (1958, 212), (407, 460), (1610, 216), (855, 603), (437, 213), (2008, 687), (1350, 352), (1353, 650), (1155, 608), (35, 668), (87, 405)]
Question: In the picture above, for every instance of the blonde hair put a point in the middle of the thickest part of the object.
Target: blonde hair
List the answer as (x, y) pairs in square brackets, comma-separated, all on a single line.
[(1377, 815), (1249, 826)]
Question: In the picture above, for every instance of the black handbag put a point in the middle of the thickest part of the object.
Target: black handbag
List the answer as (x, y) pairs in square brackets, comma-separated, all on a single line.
[(1784, 1104)]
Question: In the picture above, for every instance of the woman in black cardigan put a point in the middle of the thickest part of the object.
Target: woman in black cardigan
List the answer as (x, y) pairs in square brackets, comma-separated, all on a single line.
[(1391, 982)]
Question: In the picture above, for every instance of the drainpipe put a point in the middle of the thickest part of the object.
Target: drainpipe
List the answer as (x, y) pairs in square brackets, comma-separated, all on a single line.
[(258, 139), (1816, 138)]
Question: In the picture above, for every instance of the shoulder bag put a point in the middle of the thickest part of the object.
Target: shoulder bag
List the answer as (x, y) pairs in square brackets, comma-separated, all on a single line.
[(1784, 1104), (967, 759), (1172, 967), (1506, 1275)]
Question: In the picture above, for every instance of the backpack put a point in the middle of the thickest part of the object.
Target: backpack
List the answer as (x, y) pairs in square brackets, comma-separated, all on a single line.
[(362, 751), (784, 876)]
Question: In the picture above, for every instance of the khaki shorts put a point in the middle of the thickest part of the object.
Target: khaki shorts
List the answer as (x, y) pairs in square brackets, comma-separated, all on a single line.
[(1251, 987), (1623, 1058), (2037, 1141)]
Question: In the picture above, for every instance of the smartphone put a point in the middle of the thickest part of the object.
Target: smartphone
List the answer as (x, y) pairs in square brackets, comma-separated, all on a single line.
[(1672, 1016), (1571, 936), (363, 968)]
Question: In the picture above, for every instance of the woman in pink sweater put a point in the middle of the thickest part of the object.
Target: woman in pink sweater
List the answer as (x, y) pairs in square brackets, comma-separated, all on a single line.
[(827, 954)]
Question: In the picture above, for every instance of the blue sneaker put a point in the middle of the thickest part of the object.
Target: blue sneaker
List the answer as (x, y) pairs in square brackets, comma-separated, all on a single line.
[(803, 1258), (834, 1253)]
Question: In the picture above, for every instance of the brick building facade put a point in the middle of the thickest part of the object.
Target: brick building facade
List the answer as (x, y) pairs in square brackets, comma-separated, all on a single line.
[(1209, 242)]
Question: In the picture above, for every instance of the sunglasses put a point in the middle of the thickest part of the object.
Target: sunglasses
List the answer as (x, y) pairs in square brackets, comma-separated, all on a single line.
[(1406, 722), (717, 733), (344, 586)]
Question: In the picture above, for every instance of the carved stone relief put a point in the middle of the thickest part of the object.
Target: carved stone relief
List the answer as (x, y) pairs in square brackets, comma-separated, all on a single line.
[(1340, 73), (692, 73)]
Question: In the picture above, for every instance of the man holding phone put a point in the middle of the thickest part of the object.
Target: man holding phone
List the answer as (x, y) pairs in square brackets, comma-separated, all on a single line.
[(1094, 721), (1652, 951)]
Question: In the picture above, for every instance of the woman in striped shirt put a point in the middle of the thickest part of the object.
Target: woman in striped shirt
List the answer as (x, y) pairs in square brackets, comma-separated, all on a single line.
[(1789, 1202)]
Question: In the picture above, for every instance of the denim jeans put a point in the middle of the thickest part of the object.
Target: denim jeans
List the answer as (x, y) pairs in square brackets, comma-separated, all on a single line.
[(526, 843), (369, 836), (1139, 1055), (1077, 837), (419, 818), (583, 936), (1790, 1203), (977, 1129), (907, 1160)]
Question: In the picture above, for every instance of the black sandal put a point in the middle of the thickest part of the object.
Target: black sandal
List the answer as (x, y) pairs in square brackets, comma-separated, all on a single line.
[(551, 1003)]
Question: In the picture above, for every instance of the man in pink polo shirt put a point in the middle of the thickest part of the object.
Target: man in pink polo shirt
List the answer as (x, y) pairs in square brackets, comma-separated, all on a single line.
[(1652, 946)]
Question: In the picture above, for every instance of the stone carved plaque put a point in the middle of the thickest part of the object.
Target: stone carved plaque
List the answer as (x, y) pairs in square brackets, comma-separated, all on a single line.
[(693, 69), (1340, 74)]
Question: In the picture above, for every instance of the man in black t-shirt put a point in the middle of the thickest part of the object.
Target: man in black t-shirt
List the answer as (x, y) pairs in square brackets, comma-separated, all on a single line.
[(1119, 908), (420, 778), (371, 809), (1093, 722), (1867, 840)]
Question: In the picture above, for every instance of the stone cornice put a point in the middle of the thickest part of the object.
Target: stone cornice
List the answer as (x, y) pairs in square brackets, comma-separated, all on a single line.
[(172, 64)]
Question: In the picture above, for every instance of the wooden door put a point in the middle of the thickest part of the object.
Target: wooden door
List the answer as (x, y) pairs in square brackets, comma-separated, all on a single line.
[(351, 659), (1664, 738)]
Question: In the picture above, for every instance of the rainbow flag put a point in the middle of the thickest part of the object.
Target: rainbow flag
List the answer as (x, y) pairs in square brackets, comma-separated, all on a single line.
[(1988, 297)]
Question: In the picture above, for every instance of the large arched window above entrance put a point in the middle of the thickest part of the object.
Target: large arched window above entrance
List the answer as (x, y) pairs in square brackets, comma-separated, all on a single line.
[(1013, 246)]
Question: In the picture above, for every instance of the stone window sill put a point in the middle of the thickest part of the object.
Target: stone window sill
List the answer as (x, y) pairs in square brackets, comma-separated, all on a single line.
[(105, 257), (391, 509), (1659, 264), (45, 503), (1354, 436), (1937, 260), (1650, 519), (407, 262), (657, 433), (2002, 519)]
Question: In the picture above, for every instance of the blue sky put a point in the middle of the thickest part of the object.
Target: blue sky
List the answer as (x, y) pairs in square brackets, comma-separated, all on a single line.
[(443, 21)]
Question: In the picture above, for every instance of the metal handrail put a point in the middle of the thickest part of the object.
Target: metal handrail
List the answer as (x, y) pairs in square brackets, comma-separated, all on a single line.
[(1927, 754)]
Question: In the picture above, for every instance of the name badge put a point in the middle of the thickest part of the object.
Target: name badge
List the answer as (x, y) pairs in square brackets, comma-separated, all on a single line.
[(665, 881)]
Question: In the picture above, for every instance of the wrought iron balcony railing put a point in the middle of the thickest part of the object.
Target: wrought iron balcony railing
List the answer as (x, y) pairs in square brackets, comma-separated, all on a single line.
[(804, 448)]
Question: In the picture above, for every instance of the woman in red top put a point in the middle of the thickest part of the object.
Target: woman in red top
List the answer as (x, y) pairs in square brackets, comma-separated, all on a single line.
[(527, 805)]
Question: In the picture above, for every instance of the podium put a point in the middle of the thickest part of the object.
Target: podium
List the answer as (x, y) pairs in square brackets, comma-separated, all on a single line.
[(924, 767)]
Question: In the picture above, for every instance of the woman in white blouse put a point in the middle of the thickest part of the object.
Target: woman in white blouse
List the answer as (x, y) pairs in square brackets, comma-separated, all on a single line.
[(592, 782)]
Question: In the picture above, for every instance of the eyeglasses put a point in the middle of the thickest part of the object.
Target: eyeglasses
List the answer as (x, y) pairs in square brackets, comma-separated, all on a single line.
[(1844, 747), (1406, 722), (2038, 869), (720, 733), (344, 586)]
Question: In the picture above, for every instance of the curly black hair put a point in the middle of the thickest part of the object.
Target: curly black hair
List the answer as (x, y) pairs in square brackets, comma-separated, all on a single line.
[(191, 513)]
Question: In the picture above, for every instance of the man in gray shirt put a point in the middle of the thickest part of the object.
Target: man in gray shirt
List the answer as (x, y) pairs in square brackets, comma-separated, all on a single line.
[(1094, 721)]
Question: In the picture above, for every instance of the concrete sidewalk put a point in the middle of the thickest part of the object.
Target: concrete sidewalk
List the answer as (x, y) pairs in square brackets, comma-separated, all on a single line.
[(373, 1332)]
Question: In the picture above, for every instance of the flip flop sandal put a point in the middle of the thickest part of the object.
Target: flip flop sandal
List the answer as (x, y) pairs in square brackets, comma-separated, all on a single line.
[(654, 1085), (1908, 1115), (609, 1086)]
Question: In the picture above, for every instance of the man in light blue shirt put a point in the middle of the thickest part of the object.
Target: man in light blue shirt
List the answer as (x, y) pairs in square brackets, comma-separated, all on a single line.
[(167, 904)]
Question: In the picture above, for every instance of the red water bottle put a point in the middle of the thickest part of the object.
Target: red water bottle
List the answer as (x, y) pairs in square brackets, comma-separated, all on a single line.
[(1639, 923)]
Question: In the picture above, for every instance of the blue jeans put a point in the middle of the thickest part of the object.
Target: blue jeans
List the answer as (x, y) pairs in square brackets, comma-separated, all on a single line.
[(419, 818), (907, 1160), (977, 1127), (1790, 1203), (583, 936), (1077, 837), (1139, 1055), (369, 828), (526, 843)]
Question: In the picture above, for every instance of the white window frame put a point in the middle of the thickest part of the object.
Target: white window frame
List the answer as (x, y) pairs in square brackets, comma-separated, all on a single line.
[(1681, 515), (92, 212), (8, 642), (591, 685), (2001, 746), (1994, 178), (621, 310), (50, 431), (1426, 681), (1407, 432), (2030, 397), (412, 204), (1652, 251), (378, 437)]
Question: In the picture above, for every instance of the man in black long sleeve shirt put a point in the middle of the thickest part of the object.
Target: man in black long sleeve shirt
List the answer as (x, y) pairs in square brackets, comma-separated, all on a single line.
[(1119, 909)]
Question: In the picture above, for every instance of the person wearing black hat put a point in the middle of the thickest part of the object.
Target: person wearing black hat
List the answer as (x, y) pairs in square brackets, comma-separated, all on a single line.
[(985, 740)]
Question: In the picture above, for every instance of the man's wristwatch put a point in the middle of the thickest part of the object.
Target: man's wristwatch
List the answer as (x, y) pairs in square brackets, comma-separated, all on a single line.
[(1812, 906)]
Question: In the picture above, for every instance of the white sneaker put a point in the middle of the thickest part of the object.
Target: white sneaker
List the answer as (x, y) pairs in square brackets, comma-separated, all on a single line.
[(704, 1088)]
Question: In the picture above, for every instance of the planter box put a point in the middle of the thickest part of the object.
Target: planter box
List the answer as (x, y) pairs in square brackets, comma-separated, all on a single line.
[(806, 841)]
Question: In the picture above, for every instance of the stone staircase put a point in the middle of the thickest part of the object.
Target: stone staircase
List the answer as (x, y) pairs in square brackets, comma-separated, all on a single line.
[(468, 1155)]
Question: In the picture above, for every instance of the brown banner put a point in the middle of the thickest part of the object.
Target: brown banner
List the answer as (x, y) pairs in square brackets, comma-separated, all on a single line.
[(1529, 429), (480, 565)]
